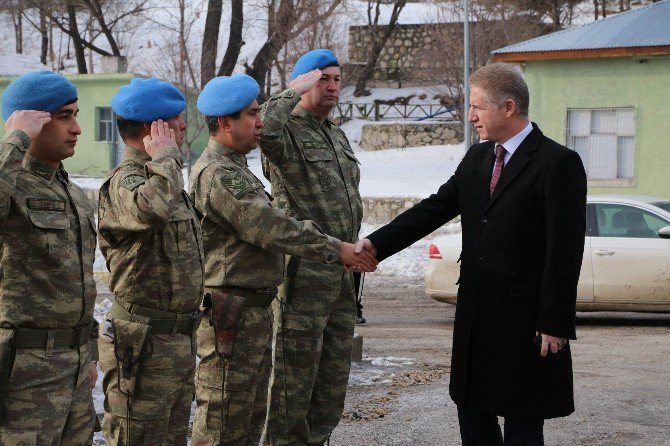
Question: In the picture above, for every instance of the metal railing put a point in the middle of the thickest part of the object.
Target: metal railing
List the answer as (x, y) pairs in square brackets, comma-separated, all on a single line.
[(377, 111)]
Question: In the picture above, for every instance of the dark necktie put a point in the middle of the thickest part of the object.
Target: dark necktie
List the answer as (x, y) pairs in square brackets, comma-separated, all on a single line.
[(497, 168)]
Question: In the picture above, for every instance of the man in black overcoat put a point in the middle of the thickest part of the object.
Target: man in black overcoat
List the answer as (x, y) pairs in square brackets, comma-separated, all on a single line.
[(522, 202)]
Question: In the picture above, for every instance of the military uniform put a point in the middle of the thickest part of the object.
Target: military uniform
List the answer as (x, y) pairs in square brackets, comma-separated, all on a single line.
[(150, 236), (47, 240), (314, 175), (243, 236)]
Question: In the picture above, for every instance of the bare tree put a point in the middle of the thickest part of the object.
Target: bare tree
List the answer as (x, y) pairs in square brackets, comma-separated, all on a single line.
[(234, 39), (324, 34), (286, 21), (42, 27), (603, 8), (211, 38), (181, 67), (210, 41), (15, 9), (106, 20), (96, 11), (77, 41), (494, 25), (379, 36), (559, 12)]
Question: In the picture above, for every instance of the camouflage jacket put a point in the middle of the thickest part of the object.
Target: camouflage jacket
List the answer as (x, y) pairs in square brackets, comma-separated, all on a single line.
[(150, 234), (313, 170), (47, 243), (244, 235)]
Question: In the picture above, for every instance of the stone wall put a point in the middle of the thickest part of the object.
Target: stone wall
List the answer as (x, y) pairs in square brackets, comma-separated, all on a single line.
[(410, 134), (381, 210), (384, 209), (412, 53)]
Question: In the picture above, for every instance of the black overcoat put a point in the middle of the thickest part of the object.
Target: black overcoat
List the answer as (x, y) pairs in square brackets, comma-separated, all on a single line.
[(520, 263)]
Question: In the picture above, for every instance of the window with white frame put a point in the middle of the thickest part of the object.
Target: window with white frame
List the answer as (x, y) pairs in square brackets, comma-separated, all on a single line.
[(105, 124), (605, 139)]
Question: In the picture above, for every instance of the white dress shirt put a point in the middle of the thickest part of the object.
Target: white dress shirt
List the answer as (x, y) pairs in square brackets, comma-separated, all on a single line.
[(514, 142)]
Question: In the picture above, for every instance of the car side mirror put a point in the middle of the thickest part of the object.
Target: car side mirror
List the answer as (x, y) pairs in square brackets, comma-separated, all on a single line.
[(664, 232)]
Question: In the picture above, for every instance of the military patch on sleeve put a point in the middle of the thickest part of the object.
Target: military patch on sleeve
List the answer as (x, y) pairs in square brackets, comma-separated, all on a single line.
[(132, 182), (236, 182)]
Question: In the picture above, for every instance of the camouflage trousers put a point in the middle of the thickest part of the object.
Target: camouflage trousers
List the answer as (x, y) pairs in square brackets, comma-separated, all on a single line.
[(231, 394), (49, 399), (159, 409), (312, 355)]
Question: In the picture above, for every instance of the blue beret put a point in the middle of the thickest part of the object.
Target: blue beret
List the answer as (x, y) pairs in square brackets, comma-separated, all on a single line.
[(223, 96), (146, 100), (40, 90), (312, 60)]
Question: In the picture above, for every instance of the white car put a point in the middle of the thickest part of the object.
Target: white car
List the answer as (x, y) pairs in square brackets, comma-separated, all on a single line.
[(626, 264)]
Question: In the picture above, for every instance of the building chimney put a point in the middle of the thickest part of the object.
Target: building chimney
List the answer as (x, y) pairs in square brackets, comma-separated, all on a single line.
[(114, 64)]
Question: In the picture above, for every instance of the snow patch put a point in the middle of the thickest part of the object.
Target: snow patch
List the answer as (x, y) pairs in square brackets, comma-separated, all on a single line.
[(375, 371)]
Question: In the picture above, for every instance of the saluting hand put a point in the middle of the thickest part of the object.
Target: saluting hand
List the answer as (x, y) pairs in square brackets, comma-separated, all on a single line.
[(29, 122), (304, 82), (161, 137)]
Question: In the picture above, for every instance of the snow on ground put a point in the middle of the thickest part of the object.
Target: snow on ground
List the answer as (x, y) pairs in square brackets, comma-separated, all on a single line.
[(409, 172), (406, 172), (373, 371), (411, 14), (412, 261), (386, 94)]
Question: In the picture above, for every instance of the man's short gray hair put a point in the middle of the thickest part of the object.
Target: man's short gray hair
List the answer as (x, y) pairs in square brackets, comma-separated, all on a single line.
[(500, 82)]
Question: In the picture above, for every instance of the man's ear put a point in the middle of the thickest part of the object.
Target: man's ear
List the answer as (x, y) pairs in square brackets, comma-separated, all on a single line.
[(510, 107), (224, 124)]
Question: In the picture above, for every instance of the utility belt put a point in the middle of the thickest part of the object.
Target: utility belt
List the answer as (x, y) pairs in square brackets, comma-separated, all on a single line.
[(128, 328), (252, 297), (225, 306), (161, 322), (35, 338), (49, 339)]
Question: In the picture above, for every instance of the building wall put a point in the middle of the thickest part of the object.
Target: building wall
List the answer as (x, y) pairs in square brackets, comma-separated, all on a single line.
[(96, 90), (556, 85)]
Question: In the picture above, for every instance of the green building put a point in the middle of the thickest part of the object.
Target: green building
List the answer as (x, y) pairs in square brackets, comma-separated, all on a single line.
[(603, 90), (100, 147)]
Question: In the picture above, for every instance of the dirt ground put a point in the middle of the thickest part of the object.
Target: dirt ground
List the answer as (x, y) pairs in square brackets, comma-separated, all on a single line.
[(399, 394)]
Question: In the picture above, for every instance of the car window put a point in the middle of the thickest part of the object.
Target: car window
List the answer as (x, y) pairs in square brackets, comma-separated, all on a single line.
[(665, 205), (617, 220)]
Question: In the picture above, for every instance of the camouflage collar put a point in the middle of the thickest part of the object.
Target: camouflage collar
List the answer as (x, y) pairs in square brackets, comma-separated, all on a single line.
[(42, 169), (217, 150), (311, 118), (136, 155)]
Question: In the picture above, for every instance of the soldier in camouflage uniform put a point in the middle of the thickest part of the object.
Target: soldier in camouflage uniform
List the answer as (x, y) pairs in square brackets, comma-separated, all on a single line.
[(244, 236), (314, 175), (150, 236), (47, 240)]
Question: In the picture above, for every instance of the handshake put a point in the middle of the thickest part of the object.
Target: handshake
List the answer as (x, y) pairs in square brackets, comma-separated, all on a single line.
[(360, 257)]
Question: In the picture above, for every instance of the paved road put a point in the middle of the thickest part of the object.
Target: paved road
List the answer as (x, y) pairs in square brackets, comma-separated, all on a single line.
[(399, 395)]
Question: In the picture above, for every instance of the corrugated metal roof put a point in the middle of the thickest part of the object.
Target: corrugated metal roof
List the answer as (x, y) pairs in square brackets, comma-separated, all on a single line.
[(645, 26)]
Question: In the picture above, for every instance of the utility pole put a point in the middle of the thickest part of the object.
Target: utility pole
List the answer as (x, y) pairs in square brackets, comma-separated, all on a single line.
[(466, 73), (182, 79)]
